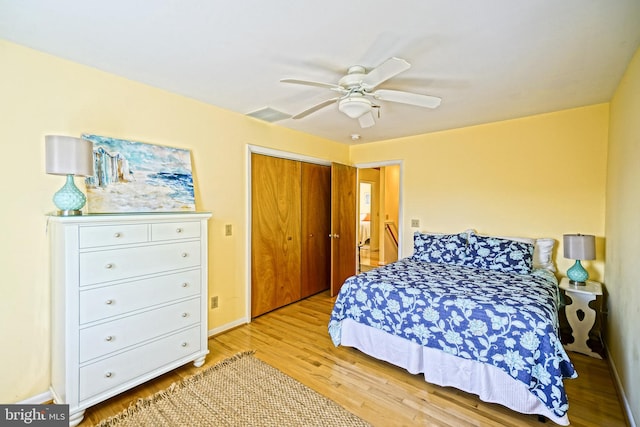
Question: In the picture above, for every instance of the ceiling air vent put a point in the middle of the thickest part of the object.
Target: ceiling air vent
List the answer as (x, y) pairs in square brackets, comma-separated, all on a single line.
[(268, 114)]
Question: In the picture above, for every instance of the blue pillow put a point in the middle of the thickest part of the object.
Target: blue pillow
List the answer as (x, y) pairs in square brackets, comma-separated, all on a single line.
[(440, 248), (492, 253)]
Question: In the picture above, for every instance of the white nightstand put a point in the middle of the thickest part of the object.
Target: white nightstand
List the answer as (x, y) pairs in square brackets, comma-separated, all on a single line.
[(582, 317)]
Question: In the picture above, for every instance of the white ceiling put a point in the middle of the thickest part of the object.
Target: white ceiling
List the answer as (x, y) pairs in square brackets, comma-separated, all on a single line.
[(488, 60)]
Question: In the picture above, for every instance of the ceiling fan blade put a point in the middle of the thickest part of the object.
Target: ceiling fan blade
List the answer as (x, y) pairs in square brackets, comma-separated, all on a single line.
[(315, 108), (389, 68), (311, 83), (407, 98), (366, 120)]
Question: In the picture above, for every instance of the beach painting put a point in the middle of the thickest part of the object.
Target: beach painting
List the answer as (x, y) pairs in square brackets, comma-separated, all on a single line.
[(131, 176)]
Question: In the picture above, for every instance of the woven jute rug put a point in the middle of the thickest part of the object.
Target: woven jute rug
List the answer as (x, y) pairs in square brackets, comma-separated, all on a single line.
[(239, 391)]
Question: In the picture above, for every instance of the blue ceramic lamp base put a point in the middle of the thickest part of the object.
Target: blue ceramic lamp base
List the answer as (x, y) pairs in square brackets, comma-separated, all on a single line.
[(577, 274), (69, 199)]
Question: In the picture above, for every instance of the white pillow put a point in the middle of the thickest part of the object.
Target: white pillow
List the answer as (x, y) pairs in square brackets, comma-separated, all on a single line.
[(543, 254)]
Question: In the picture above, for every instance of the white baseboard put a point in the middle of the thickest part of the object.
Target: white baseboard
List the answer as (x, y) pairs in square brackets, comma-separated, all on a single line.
[(38, 399), (226, 327), (621, 393)]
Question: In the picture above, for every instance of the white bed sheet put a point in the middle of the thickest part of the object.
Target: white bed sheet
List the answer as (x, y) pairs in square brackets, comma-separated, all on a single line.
[(489, 383), (365, 231)]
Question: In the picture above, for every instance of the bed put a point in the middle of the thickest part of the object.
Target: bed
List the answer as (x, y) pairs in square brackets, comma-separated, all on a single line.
[(365, 229), (478, 313)]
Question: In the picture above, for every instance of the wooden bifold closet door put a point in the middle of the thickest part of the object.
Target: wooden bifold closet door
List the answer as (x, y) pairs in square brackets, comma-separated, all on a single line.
[(290, 226)]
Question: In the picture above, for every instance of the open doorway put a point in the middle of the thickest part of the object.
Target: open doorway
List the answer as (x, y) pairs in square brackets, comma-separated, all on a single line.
[(378, 214)]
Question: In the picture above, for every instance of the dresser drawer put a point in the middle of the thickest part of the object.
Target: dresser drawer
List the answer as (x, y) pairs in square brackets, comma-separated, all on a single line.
[(175, 230), (107, 235), (117, 264), (112, 372), (108, 337), (100, 303)]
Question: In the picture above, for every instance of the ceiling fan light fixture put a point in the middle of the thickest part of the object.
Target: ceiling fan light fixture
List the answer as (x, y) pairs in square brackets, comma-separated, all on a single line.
[(354, 106)]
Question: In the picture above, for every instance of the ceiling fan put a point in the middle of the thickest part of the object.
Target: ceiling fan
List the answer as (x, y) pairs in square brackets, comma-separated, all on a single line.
[(356, 95)]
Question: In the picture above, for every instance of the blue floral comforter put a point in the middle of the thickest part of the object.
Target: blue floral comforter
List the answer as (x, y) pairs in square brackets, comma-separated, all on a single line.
[(503, 319)]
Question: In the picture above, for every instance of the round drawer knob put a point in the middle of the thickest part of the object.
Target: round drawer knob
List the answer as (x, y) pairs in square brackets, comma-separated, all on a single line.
[(108, 374), (117, 235), (185, 285), (108, 266), (109, 338), (184, 344), (109, 302), (178, 230), (184, 255), (185, 314)]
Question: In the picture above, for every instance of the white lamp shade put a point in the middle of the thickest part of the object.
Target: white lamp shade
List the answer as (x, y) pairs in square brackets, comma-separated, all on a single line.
[(355, 106), (66, 155), (579, 246)]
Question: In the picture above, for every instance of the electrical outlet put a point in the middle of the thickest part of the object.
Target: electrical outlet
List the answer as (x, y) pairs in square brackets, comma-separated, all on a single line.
[(214, 302), (415, 223), (228, 230)]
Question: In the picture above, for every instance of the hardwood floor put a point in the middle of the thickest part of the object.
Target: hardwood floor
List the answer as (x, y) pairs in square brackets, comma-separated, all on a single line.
[(294, 339), (368, 258)]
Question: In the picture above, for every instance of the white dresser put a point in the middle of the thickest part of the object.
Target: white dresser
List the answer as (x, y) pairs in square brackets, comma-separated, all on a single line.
[(129, 302)]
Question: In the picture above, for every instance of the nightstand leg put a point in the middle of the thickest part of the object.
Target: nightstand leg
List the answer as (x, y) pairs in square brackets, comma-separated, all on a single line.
[(581, 328)]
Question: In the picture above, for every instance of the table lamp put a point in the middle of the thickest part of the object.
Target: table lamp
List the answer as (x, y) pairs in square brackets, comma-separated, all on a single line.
[(66, 155), (579, 247)]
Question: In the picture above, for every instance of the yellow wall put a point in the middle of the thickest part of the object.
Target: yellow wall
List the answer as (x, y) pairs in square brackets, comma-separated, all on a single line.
[(539, 176), (42, 94), (390, 176), (373, 176), (623, 234), (391, 194)]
